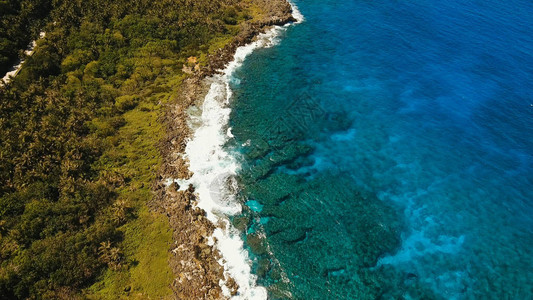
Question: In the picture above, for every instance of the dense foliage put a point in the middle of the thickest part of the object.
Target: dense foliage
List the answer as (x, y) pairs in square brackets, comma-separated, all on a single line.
[(77, 141), (20, 22)]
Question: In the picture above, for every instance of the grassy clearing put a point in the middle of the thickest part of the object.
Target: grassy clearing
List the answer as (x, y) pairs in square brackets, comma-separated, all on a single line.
[(80, 130), (147, 236)]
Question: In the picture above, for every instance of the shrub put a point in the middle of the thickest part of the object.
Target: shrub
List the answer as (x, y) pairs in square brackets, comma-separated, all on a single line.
[(126, 102)]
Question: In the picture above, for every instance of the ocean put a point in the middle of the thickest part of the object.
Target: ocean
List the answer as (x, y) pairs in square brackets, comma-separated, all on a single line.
[(384, 150)]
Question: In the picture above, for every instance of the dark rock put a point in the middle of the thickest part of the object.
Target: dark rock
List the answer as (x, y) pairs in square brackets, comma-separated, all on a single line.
[(175, 186), (241, 223), (256, 244), (264, 267)]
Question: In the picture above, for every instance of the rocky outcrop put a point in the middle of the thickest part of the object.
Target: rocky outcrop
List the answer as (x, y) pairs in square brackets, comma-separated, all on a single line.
[(193, 261), (278, 12)]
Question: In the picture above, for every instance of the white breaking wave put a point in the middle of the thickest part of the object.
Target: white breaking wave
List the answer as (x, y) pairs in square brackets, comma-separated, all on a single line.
[(214, 170), (296, 13)]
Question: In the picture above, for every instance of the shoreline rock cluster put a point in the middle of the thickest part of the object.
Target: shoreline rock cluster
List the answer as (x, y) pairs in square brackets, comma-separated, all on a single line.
[(195, 263)]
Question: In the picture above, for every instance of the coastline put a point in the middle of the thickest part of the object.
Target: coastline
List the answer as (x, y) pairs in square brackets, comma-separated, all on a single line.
[(208, 259)]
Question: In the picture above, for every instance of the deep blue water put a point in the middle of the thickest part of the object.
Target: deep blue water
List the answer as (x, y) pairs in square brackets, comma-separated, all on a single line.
[(387, 151)]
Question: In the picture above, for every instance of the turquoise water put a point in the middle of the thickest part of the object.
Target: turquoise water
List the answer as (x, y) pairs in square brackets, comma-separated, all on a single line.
[(387, 151)]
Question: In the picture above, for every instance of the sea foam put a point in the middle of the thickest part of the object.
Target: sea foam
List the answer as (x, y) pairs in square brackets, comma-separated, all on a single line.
[(215, 169)]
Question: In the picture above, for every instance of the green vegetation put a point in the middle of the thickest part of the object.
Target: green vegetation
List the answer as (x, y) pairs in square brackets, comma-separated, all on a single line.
[(20, 23), (78, 142)]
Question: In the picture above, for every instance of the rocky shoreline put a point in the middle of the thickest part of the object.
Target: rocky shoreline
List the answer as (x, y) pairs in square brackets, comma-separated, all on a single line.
[(195, 263)]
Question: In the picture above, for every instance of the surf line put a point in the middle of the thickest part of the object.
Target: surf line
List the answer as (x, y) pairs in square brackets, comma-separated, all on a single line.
[(214, 169)]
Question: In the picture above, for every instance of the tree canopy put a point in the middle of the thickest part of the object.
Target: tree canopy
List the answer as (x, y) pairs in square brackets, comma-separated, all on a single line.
[(78, 130)]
